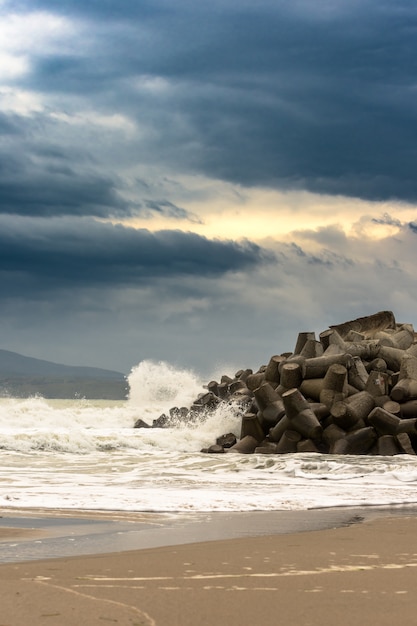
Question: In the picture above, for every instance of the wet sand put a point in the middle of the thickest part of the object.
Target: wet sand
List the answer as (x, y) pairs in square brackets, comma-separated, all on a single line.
[(20, 534), (354, 574), (41, 534), (359, 574)]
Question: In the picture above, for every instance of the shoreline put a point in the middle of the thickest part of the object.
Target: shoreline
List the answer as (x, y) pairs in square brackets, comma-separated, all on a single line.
[(40, 534), (352, 574)]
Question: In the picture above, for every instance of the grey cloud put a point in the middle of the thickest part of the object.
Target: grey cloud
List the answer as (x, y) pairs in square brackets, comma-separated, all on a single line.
[(123, 9), (291, 97), (326, 257), (59, 191), (57, 253), (270, 96), (298, 250), (387, 220), (300, 95), (53, 174), (41, 176), (237, 317), (333, 236), (164, 207), (8, 125)]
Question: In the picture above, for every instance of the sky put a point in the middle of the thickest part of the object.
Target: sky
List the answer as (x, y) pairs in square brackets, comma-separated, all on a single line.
[(198, 182)]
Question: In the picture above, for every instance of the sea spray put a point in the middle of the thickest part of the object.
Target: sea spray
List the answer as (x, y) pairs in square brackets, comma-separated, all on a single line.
[(82, 427), (156, 387)]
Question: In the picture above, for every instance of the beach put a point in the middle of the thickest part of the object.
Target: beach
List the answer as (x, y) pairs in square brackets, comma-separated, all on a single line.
[(103, 523), (363, 572)]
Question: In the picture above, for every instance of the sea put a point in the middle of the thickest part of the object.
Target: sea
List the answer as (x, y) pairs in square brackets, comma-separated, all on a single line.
[(86, 455)]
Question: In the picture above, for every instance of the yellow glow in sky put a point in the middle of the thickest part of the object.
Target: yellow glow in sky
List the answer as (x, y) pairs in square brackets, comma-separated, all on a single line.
[(228, 212)]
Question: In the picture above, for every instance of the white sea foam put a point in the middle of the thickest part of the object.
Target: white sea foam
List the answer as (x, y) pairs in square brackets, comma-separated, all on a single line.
[(156, 387), (79, 454)]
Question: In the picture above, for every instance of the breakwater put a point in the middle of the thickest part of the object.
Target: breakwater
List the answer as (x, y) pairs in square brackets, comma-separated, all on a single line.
[(351, 390)]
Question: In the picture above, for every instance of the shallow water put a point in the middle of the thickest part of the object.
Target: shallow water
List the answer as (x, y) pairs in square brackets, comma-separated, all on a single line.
[(66, 535)]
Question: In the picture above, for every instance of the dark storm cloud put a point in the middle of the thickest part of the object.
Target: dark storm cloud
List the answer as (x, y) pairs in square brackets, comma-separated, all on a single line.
[(58, 191), (115, 107), (287, 95), (46, 178), (40, 176), (59, 253)]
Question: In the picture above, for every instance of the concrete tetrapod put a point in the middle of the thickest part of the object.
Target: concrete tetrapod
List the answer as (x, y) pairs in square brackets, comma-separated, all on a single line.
[(301, 416), (352, 392)]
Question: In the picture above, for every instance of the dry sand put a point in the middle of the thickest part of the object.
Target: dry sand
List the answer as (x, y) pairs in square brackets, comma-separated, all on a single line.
[(362, 574)]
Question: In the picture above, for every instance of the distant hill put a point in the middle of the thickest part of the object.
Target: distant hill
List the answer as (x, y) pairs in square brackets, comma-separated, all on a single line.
[(22, 377)]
